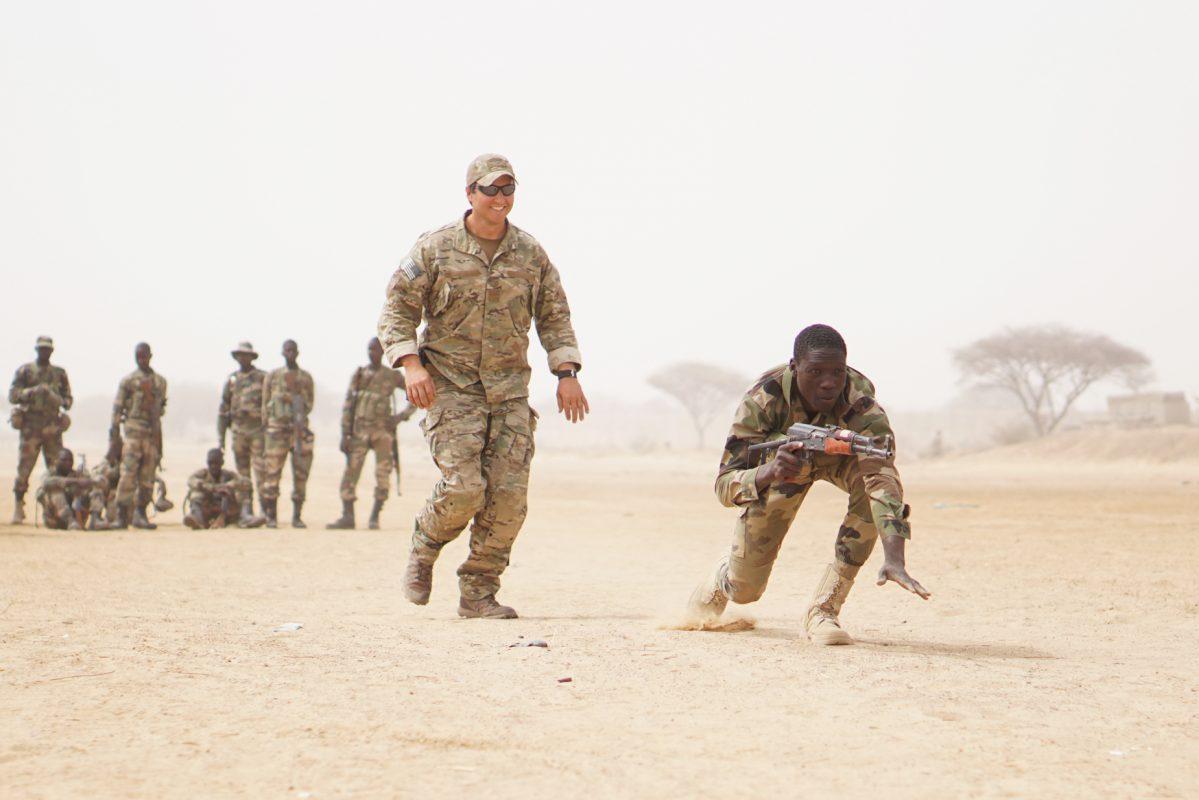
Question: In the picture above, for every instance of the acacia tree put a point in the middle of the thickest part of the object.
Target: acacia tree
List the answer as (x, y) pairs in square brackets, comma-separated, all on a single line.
[(705, 390), (1048, 367)]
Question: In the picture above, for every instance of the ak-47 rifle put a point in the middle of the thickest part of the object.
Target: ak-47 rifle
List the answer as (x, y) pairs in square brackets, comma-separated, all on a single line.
[(830, 440), (348, 433)]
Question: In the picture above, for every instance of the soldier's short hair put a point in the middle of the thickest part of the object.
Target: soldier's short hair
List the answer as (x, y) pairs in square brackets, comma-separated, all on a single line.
[(818, 337), (215, 453)]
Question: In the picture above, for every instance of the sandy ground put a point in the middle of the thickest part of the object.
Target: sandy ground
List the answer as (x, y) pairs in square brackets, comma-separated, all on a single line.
[(1057, 657)]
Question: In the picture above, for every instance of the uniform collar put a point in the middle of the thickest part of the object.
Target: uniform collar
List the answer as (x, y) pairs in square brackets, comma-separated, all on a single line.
[(465, 242), (793, 398)]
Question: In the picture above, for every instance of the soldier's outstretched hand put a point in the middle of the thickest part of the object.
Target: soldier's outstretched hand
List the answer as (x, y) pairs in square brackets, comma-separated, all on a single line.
[(899, 574), (571, 400)]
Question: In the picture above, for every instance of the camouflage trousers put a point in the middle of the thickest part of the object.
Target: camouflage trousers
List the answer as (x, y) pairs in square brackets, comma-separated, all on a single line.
[(139, 463), (57, 508), (217, 509), (483, 451), (360, 444), (278, 448), (249, 449), (46, 439), (763, 525)]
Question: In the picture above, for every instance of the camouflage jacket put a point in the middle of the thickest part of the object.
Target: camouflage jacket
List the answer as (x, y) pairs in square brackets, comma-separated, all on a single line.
[(278, 391), (106, 476), (40, 391), (477, 314), (368, 406), (141, 402), (241, 401), (76, 483), (772, 405), (202, 483)]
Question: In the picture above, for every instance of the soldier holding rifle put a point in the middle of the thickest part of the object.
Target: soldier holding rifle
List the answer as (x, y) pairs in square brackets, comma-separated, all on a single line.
[(287, 398), (839, 435), (368, 422), (140, 403)]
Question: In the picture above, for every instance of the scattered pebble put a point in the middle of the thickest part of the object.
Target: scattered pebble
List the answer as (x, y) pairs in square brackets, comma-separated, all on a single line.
[(565, 680), (288, 627), (1117, 753), (531, 643)]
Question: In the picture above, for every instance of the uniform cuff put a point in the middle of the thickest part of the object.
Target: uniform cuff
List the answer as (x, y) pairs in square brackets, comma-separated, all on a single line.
[(393, 354), (562, 355), (747, 479), (895, 527)]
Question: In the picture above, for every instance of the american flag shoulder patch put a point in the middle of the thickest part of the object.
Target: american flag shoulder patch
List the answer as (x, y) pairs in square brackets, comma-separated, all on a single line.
[(411, 269)]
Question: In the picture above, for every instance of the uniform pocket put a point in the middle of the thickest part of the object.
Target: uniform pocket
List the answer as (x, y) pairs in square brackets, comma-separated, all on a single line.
[(519, 424), (441, 298)]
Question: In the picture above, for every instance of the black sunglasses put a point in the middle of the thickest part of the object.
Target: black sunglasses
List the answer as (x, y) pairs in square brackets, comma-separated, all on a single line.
[(492, 191)]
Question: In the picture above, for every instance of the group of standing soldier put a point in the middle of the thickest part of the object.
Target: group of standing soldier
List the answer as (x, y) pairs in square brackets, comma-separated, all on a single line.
[(266, 415)]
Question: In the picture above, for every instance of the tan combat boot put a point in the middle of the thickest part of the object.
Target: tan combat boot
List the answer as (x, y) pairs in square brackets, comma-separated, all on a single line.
[(821, 622), (418, 580), (484, 608), (710, 598)]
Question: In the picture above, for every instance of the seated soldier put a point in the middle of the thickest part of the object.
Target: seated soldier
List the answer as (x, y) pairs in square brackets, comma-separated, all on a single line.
[(64, 493), (215, 494), (815, 388), (103, 498)]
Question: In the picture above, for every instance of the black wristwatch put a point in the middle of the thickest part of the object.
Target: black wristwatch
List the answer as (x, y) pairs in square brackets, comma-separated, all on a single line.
[(566, 373)]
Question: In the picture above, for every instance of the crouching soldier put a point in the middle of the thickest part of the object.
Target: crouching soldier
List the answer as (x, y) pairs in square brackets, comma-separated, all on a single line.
[(216, 496), (64, 494), (815, 388)]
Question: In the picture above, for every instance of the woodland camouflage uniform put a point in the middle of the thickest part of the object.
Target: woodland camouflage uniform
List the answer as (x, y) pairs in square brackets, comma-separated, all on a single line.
[(40, 395), (876, 501), (281, 388), (60, 495), (140, 403), (475, 344), (368, 419), (241, 412)]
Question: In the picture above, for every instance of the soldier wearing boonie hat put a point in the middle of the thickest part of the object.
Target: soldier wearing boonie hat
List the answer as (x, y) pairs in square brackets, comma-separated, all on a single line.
[(40, 395), (479, 283), (241, 410)]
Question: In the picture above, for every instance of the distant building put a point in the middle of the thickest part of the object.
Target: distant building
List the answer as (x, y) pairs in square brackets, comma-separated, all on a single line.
[(1150, 409)]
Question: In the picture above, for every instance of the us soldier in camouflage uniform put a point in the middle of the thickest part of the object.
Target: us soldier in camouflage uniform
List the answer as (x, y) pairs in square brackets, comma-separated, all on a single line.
[(479, 282), (287, 398), (215, 496), (40, 393), (64, 493), (368, 423), (241, 409), (816, 388), (140, 403)]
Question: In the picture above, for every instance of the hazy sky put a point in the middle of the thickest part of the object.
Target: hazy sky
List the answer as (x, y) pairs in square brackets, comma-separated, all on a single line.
[(708, 177)]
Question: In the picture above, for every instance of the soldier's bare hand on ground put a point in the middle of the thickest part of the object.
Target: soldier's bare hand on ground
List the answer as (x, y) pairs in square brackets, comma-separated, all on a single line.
[(421, 391), (571, 400), (899, 574)]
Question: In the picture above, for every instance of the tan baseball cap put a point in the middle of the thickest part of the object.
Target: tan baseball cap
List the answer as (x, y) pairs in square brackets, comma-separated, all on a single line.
[(44, 341), (486, 168), (245, 347)]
